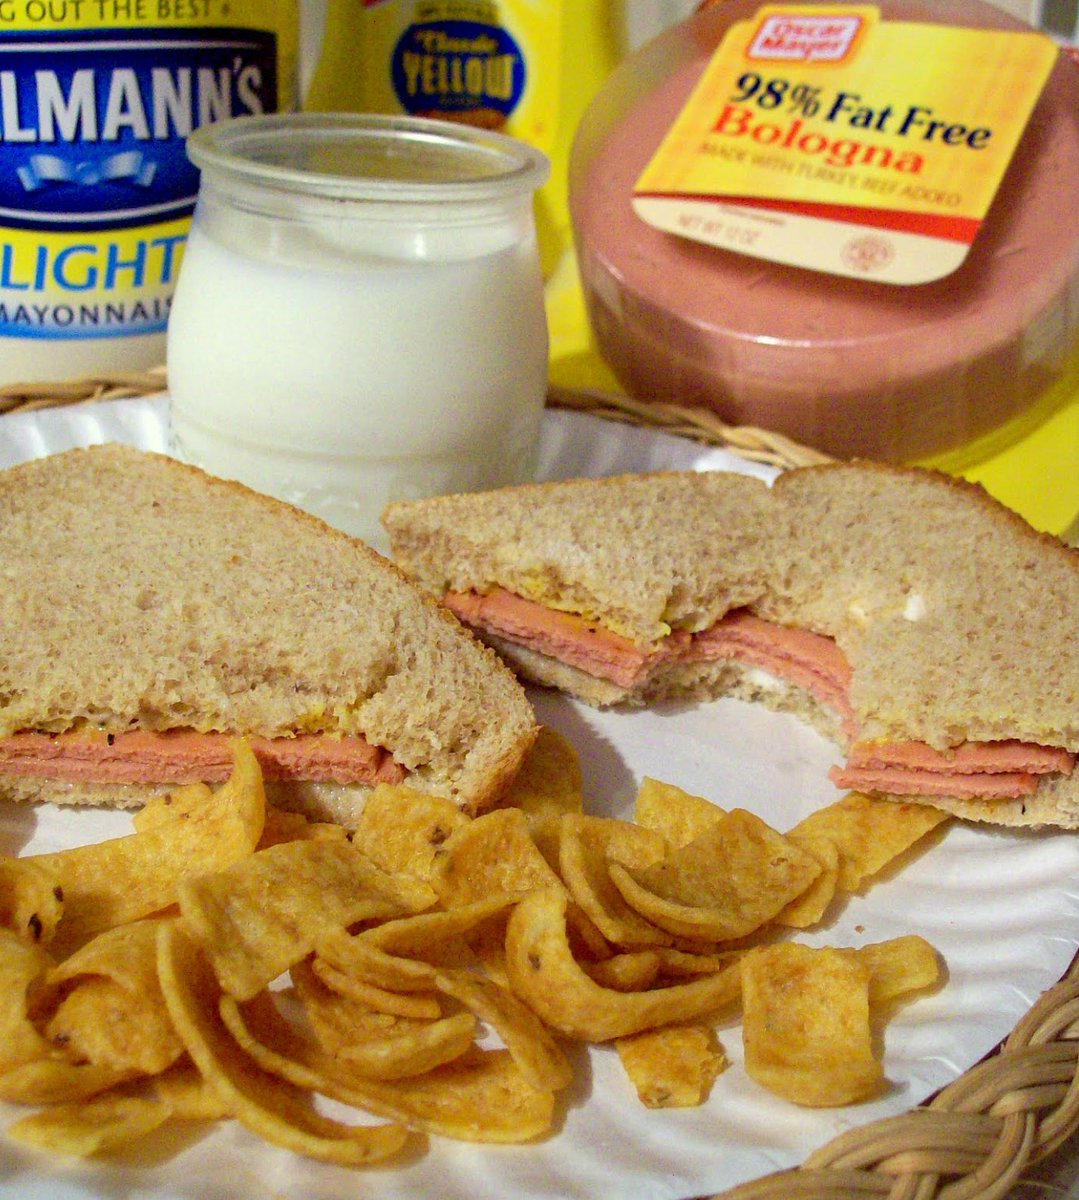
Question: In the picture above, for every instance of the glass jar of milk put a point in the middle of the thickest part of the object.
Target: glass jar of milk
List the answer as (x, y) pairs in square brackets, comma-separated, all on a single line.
[(359, 317)]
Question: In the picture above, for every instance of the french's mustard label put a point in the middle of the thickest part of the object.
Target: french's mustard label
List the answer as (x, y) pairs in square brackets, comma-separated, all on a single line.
[(458, 69), (472, 61), (825, 137), (97, 98)]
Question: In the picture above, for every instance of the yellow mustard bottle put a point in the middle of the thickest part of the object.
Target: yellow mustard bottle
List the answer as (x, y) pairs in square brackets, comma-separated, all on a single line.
[(521, 67)]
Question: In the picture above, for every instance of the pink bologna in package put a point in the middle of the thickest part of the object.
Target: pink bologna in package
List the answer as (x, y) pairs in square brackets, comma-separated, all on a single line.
[(851, 223)]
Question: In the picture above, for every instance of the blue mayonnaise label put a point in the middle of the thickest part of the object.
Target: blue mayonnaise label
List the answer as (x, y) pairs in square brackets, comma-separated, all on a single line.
[(96, 189)]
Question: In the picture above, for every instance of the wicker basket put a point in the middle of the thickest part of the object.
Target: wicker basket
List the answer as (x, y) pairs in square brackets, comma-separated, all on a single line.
[(978, 1138)]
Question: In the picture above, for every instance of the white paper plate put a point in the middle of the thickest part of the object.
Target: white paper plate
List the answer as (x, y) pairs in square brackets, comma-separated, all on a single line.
[(1001, 907)]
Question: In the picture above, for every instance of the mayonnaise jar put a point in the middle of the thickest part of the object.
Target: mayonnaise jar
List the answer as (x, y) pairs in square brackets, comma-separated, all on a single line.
[(359, 317), (96, 101)]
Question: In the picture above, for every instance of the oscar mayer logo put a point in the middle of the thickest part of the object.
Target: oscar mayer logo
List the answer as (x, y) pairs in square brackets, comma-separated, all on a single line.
[(805, 37)]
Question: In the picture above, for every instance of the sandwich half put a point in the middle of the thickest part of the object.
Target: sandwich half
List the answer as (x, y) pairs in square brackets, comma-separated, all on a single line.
[(149, 613), (923, 626)]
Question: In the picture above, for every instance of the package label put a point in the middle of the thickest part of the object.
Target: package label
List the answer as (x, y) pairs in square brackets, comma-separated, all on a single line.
[(827, 138)]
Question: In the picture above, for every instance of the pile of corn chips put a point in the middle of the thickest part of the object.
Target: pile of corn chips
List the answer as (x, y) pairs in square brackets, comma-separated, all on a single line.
[(229, 960)]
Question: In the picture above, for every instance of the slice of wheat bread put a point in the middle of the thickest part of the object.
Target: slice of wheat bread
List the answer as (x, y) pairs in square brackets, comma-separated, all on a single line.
[(954, 614), (140, 592)]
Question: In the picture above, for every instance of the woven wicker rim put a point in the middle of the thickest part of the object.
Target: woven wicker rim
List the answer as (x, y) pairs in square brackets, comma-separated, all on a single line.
[(759, 445), (973, 1140)]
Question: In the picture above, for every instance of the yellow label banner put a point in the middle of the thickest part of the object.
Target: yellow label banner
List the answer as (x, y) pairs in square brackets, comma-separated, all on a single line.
[(74, 285), (822, 136)]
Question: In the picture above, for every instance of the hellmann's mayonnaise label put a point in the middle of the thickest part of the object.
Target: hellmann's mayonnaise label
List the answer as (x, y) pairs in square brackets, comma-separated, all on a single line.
[(822, 136), (97, 98)]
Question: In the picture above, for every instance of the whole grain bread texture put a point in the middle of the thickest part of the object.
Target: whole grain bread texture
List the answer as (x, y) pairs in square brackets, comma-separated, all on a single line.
[(138, 592), (956, 616)]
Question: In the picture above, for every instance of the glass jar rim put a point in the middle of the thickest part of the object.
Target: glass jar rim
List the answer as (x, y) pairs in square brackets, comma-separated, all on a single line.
[(366, 156)]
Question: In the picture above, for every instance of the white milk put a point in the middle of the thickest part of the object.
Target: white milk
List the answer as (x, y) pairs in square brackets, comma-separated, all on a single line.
[(342, 363)]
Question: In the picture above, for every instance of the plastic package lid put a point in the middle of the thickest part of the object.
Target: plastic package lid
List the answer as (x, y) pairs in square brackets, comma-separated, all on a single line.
[(852, 367)]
